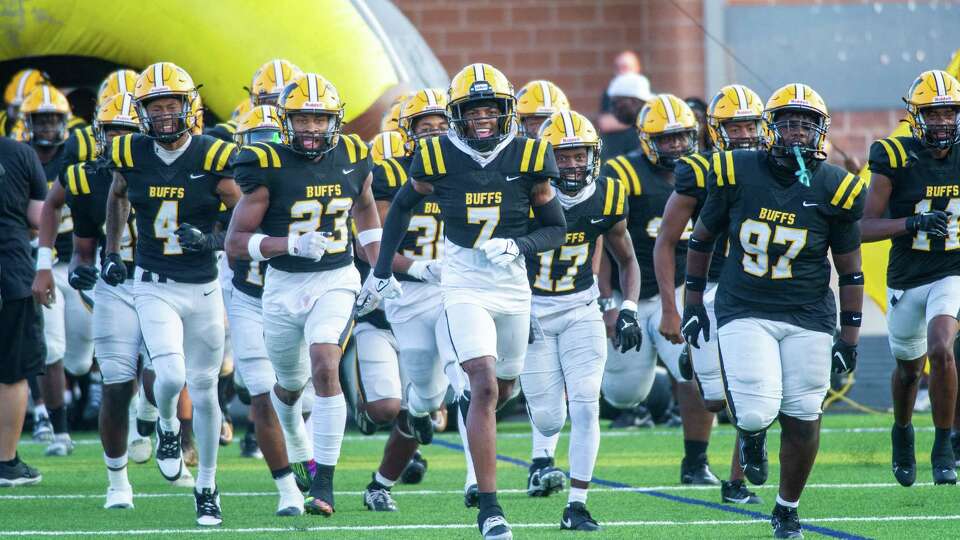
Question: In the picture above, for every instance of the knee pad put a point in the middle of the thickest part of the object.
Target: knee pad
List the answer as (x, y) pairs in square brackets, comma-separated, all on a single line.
[(584, 412), (754, 419), (117, 369), (548, 422), (170, 372), (257, 375), (423, 404), (78, 363)]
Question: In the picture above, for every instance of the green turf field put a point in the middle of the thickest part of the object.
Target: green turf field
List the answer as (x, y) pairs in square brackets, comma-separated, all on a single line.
[(852, 493)]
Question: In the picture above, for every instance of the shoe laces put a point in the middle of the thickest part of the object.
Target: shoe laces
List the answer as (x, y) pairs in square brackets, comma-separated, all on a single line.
[(169, 444), (493, 521), (379, 496), (207, 503)]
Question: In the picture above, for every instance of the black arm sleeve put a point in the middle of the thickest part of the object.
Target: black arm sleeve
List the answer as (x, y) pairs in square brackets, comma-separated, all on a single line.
[(844, 236), (550, 234), (395, 228)]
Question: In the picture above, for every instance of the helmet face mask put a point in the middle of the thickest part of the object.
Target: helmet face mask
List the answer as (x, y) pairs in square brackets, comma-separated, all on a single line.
[(939, 126), (799, 128), (312, 133), (165, 118), (531, 124), (578, 166), (739, 134), (46, 129), (428, 125), (482, 123), (670, 146)]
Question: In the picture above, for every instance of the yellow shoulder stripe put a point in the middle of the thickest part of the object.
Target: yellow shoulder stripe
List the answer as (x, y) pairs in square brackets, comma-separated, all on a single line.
[(122, 158), (81, 144), (634, 180), (228, 151), (261, 155), (211, 153), (401, 173), (842, 189), (696, 170), (608, 199), (527, 154), (361, 146), (851, 195), (438, 155), (72, 180), (702, 160), (84, 184), (723, 168), (621, 174), (351, 147), (886, 146), (388, 171), (541, 153), (425, 157), (900, 150), (265, 151), (848, 204), (621, 198)]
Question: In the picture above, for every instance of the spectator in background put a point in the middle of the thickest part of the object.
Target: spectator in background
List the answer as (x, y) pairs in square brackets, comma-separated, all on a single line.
[(625, 62), (699, 107), (23, 187), (628, 93)]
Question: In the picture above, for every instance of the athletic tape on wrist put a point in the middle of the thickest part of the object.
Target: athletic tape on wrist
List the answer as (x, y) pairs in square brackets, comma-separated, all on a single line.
[(369, 235), (44, 258), (253, 247)]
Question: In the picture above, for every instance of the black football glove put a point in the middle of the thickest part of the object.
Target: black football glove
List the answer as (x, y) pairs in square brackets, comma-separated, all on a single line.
[(695, 321), (628, 331), (192, 240), (113, 270), (685, 364), (933, 223), (844, 357), (83, 277)]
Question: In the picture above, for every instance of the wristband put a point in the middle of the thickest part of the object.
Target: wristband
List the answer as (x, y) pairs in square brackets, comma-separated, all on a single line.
[(703, 246), (606, 304), (253, 247), (628, 305), (851, 318), (696, 284), (369, 235), (44, 258), (855, 278), (292, 245)]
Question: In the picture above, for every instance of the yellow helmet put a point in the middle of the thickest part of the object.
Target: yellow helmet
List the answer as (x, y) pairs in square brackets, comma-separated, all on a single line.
[(270, 80), (734, 103), (116, 113), (165, 80), (196, 110), (18, 132), (259, 124), (45, 100), (934, 89), (570, 129), (388, 144), (22, 83), (797, 97), (391, 119), (117, 82), (241, 109), (311, 94), (537, 100), (664, 116), (426, 102), (479, 83)]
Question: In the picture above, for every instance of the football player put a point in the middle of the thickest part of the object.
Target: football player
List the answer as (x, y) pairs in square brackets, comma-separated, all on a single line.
[(569, 345), (302, 194), (668, 131), (536, 101), (21, 84), (783, 209), (175, 181), (117, 337), (270, 80), (733, 121), (227, 130), (914, 200), (485, 179), (67, 320)]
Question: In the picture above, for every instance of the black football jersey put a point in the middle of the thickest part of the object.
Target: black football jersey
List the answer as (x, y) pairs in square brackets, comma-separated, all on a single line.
[(780, 232), (920, 183), (247, 275), (481, 202), (80, 146), (568, 270), (425, 232), (63, 244), (647, 190), (87, 186), (690, 179), (307, 195), (223, 131), (165, 196)]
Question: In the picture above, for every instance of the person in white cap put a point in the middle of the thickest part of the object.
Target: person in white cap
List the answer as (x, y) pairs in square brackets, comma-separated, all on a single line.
[(628, 92)]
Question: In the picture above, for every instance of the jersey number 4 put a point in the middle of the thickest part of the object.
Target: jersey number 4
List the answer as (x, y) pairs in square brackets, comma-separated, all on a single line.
[(755, 238), (921, 242), (165, 226)]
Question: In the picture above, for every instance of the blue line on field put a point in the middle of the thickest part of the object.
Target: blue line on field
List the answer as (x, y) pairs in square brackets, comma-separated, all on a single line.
[(670, 497)]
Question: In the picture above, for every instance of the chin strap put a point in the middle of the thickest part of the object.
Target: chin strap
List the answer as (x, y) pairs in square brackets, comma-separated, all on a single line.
[(802, 174)]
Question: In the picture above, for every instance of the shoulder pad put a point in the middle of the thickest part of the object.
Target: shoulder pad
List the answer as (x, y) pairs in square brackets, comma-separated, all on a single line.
[(626, 173), (696, 164), (889, 154), (722, 169), (431, 156), (260, 153), (218, 154), (846, 192), (356, 149), (534, 154), (394, 172), (76, 180), (121, 151), (614, 197)]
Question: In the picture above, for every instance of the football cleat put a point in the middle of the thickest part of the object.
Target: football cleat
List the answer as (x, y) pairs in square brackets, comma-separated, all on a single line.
[(43, 429), (495, 527), (169, 455), (786, 523), (697, 473), (421, 427), (415, 470), (19, 474), (119, 498), (577, 518), (736, 492), (185, 481), (249, 448), (61, 445), (320, 500), (377, 498), (904, 458), (471, 496), (140, 449), (638, 417), (303, 474), (544, 479), (753, 456), (943, 461), (207, 503), (290, 504), (955, 443), (146, 428)]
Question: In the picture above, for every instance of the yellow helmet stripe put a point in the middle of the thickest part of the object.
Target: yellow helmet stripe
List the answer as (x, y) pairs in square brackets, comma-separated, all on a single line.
[(941, 85), (278, 73), (22, 83), (121, 80), (478, 73), (46, 95), (312, 87), (668, 107), (741, 97), (157, 74), (568, 128), (387, 147), (545, 90)]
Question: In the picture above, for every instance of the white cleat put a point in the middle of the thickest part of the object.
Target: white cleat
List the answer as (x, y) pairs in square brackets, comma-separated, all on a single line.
[(185, 480), (169, 454), (291, 504), (140, 450), (119, 498), (62, 445)]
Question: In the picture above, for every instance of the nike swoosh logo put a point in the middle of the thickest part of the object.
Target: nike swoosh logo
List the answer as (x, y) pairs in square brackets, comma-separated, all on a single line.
[(808, 204), (595, 221), (195, 176), (693, 320), (855, 318), (209, 292), (512, 178), (567, 523), (347, 171)]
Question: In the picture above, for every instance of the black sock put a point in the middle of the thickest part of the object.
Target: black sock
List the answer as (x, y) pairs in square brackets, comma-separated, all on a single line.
[(941, 442), (12, 462), (695, 451), (281, 472), (541, 462), (58, 417), (487, 501), (322, 485), (34, 386)]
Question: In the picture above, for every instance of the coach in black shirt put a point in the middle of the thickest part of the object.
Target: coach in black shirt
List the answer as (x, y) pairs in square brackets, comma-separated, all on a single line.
[(22, 189)]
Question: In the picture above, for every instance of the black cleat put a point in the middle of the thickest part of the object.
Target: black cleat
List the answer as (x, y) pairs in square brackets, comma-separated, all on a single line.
[(698, 473), (303, 474), (169, 454), (207, 503), (415, 470), (904, 458), (19, 474), (494, 526), (471, 496), (753, 456), (544, 479), (146, 428), (577, 518), (249, 448), (638, 417), (736, 492), (320, 500), (944, 463), (421, 427), (786, 523), (955, 443), (377, 498), (365, 424)]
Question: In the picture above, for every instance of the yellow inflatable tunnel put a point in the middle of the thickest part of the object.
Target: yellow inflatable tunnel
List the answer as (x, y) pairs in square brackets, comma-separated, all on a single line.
[(369, 50)]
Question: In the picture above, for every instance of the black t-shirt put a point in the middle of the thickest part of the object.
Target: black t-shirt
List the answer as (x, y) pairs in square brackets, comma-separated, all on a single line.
[(689, 178), (618, 143), (21, 180)]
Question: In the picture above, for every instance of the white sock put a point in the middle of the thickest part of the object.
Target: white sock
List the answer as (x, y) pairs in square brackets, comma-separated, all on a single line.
[(543, 446), (462, 428), (584, 438), (132, 434), (117, 471), (577, 495), (383, 480), (294, 429), (329, 418), (207, 420), (287, 486), (206, 478), (788, 504), (40, 411), (145, 410)]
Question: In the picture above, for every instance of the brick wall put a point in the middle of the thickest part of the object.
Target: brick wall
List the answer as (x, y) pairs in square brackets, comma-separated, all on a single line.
[(573, 43)]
